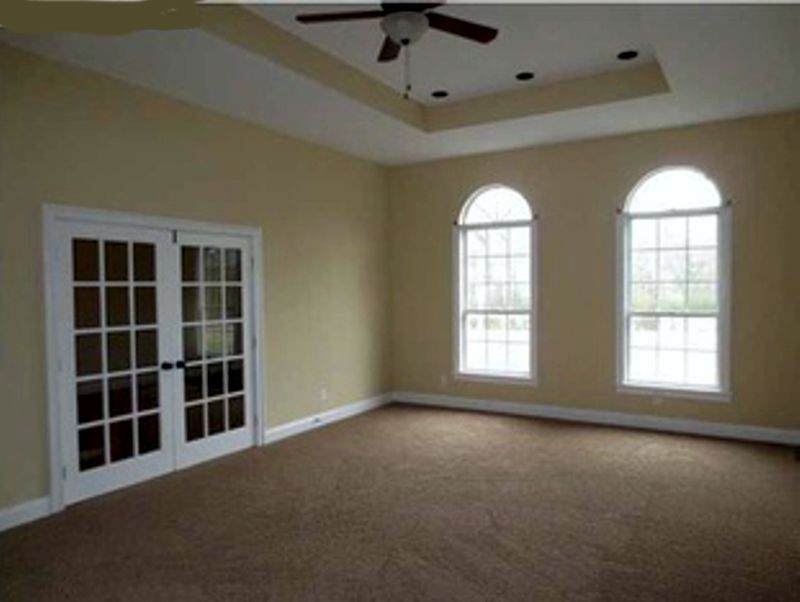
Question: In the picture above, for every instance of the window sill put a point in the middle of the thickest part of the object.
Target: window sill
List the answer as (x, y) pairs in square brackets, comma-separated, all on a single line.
[(496, 379), (678, 393)]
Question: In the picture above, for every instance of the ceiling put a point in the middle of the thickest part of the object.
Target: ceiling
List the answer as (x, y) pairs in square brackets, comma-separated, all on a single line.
[(537, 38), (718, 61)]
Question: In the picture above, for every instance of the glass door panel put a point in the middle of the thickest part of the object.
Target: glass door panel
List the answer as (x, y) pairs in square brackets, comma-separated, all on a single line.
[(119, 417), (214, 328)]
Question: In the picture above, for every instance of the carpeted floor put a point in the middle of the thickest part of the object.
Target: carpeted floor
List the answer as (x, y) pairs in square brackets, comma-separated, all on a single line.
[(423, 504)]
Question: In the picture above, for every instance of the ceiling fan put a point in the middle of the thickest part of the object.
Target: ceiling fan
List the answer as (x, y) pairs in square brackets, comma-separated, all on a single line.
[(404, 24)]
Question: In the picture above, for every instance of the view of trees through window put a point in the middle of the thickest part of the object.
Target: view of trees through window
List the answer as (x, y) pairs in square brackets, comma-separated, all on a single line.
[(495, 296), (672, 281)]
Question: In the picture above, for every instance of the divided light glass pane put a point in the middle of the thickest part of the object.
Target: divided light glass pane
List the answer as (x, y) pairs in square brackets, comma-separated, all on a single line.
[(671, 333), (643, 332), (643, 266), (520, 269), (498, 270), (643, 233), (703, 230), (672, 232), (702, 297), (85, 260), (670, 368), (702, 334), (643, 297), (520, 243), (475, 356), (477, 243), (672, 266), (498, 241), (703, 265), (496, 327), (116, 260), (642, 365), (702, 369), (518, 358), (496, 357), (672, 297)]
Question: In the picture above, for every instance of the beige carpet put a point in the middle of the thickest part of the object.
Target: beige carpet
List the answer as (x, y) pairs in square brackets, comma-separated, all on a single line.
[(423, 504)]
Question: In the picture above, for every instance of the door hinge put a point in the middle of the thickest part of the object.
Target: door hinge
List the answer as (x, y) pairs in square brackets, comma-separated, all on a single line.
[(175, 236)]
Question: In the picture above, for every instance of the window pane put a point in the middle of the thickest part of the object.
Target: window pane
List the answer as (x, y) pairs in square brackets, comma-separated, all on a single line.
[(496, 356), (644, 332), (672, 266), (518, 358), (703, 297), (671, 297), (671, 333), (476, 296), (672, 232), (498, 241), (498, 270), (85, 260), (703, 231), (520, 241), (703, 265), (519, 329), (642, 365), (643, 234), (702, 334), (497, 204), (701, 369), (643, 297), (674, 189), (670, 368), (643, 266), (477, 243), (476, 356), (519, 269), (496, 328), (116, 259), (519, 296), (496, 297)]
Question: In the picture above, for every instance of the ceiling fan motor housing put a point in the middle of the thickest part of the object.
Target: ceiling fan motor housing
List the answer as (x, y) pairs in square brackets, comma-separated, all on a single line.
[(405, 27)]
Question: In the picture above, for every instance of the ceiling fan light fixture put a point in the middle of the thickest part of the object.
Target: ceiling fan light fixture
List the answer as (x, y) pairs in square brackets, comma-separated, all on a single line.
[(404, 27)]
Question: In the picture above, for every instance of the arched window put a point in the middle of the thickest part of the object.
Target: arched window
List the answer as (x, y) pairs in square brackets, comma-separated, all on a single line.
[(676, 285), (495, 275)]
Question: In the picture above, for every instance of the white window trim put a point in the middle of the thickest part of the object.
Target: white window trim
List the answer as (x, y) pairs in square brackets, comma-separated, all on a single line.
[(724, 287), (459, 229)]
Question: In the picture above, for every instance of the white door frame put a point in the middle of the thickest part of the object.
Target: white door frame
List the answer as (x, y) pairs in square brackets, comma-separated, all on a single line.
[(52, 215)]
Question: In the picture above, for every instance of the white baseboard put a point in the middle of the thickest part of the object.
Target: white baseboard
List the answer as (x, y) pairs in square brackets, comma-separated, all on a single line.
[(24, 513), (275, 434), (620, 419)]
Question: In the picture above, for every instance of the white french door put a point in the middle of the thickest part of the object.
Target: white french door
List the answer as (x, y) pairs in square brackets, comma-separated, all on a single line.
[(153, 335)]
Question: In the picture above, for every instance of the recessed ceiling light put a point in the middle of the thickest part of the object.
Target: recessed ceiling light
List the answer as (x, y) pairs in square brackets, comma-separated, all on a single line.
[(524, 76), (440, 94), (628, 55)]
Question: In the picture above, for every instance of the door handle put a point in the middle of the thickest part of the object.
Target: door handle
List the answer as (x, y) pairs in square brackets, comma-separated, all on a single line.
[(167, 365), (180, 364)]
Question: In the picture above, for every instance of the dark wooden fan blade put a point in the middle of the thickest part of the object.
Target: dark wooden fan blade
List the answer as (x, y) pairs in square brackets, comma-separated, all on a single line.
[(464, 29), (389, 51), (330, 17)]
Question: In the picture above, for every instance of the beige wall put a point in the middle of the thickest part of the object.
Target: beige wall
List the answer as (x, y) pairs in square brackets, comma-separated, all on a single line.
[(575, 189), (77, 138)]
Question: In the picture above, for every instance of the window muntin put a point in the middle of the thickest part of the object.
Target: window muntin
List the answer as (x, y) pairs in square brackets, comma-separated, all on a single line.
[(495, 305), (674, 284)]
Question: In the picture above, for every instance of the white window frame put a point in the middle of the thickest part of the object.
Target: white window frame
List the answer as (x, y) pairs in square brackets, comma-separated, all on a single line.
[(724, 227), (459, 271)]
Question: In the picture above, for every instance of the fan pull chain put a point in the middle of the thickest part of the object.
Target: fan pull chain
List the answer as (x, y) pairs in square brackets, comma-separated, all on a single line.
[(407, 71)]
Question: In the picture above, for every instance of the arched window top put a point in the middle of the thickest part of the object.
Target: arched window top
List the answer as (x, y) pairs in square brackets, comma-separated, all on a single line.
[(495, 205), (673, 189)]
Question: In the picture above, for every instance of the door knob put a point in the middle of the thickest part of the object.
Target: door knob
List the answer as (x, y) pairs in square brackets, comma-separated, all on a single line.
[(180, 364), (167, 366)]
